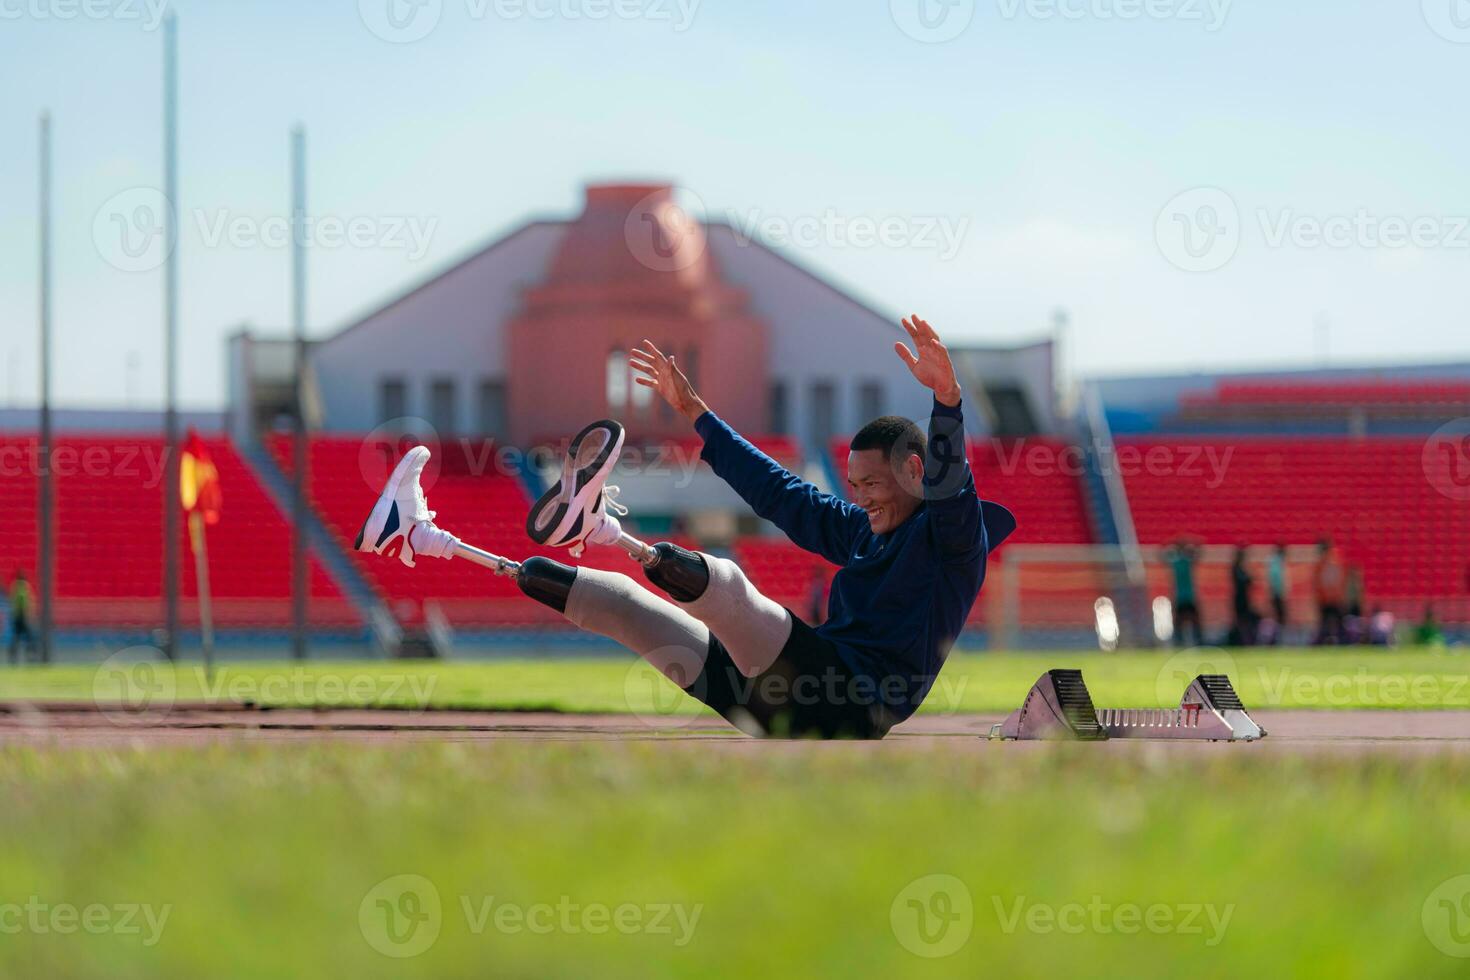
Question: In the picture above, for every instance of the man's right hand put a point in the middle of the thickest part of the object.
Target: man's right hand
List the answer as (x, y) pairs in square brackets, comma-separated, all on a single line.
[(660, 373)]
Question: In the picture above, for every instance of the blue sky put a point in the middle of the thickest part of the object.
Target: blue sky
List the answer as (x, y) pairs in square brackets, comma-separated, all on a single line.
[(1078, 151)]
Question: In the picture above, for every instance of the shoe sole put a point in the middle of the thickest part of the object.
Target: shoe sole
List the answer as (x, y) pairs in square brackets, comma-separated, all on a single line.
[(376, 525), (553, 517)]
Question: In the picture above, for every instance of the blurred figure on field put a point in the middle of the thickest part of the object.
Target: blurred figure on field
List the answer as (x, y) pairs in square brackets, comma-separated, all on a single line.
[(20, 616), (1181, 557), (1329, 582), (1381, 626), (1428, 633), (1244, 630), (1276, 582), (1353, 626)]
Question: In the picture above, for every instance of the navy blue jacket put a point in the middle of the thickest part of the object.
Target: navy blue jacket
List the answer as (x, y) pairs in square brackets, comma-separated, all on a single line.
[(901, 598)]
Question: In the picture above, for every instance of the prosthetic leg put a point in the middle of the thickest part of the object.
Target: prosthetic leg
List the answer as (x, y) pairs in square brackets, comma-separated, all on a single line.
[(681, 573)]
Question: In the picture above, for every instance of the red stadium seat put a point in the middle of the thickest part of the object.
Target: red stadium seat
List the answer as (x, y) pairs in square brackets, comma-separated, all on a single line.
[(109, 531), (1371, 496)]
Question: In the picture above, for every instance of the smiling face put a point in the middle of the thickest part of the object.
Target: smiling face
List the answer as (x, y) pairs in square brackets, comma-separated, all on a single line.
[(888, 490)]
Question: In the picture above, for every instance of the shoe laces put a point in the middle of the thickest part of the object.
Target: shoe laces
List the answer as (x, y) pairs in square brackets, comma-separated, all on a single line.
[(610, 498), (421, 510), (606, 528)]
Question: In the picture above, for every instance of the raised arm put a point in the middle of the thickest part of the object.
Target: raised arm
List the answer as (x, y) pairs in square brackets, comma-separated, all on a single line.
[(813, 520), (949, 485)]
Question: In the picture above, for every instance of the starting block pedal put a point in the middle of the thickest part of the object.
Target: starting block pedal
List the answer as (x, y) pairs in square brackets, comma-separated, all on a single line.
[(1059, 707)]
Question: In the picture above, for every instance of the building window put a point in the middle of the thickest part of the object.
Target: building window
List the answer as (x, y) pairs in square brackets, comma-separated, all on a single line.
[(779, 409), (392, 399), (870, 402), (617, 381), (823, 424), (492, 409), (442, 414)]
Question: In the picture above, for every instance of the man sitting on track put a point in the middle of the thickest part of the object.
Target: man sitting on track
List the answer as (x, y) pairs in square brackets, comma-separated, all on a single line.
[(912, 551)]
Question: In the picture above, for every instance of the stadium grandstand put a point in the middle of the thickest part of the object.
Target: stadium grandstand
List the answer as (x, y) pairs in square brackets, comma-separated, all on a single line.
[(1102, 482)]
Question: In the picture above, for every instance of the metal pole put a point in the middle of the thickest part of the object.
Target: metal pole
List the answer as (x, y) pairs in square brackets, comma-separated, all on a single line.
[(299, 581), (170, 337), (45, 550), (201, 572)]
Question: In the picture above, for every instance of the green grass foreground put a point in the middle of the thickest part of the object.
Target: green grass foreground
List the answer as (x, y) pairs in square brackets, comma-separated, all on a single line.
[(736, 859), (970, 683)]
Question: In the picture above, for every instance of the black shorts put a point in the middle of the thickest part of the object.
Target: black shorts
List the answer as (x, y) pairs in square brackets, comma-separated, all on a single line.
[(807, 693)]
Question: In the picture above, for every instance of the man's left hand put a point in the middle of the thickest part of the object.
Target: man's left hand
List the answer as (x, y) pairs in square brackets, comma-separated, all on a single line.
[(932, 367)]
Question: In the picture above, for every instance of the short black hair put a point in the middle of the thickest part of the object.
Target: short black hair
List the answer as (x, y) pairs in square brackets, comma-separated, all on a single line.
[(895, 435)]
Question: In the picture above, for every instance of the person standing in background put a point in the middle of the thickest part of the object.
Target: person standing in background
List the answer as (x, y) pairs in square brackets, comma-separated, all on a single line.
[(1245, 614), (1276, 582), (1330, 583), (1181, 557), (20, 616)]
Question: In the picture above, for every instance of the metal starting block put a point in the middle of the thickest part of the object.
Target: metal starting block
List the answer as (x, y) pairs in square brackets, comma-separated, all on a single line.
[(1059, 707)]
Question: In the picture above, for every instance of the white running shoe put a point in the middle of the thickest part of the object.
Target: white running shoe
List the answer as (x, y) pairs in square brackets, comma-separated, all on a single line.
[(401, 524), (575, 511)]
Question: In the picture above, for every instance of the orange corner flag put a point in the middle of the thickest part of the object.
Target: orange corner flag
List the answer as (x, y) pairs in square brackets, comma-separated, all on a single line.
[(198, 480)]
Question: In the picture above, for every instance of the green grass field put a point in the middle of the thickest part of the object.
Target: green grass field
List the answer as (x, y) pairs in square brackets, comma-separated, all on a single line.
[(643, 859), (679, 858), (971, 682)]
